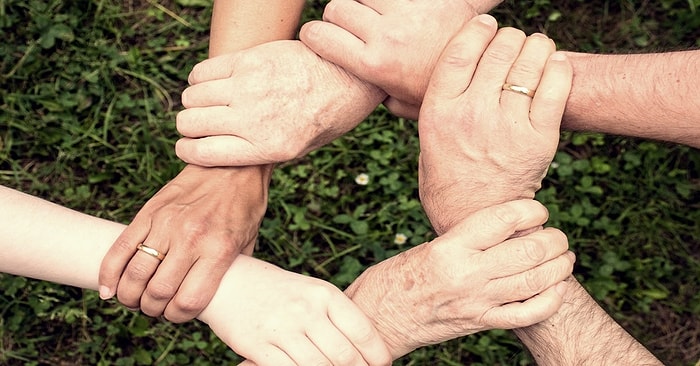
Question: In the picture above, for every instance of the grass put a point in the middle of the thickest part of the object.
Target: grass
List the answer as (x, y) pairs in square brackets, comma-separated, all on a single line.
[(90, 90)]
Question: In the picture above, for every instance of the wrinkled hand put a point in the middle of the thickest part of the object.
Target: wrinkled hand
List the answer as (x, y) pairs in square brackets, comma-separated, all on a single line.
[(472, 278), (391, 44), (270, 103), (201, 221), (274, 317), (481, 145)]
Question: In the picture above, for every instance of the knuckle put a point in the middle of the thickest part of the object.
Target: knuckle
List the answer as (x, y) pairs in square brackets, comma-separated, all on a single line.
[(526, 67), (535, 281), (534, 251), (138, 271), (189, 304), (160, 290), (505, 215), (346, 356)]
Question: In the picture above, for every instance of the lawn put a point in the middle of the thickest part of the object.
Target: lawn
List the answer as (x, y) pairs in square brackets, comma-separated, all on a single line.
[(90, 90)]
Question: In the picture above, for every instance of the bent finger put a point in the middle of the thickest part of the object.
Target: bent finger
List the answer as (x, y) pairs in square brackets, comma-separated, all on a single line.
[(523, 253), (493, 225), (357, 328), (197, 289), (352, 16), (531, 311), (552, 93), (219, 151), (220, 67), (334, 44), (119, 254), (527, 284), (165, 283), (138, 272), (209, 93), (208, 121)]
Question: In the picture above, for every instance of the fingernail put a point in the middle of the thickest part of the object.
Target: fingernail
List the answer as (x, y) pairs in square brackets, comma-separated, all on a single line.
[(487, 19), (561, 287), (105, 293), (558, 56)]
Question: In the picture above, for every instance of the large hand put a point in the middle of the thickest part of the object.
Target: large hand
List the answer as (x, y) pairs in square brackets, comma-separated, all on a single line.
[(270, 103), (274, 317), (201, 221), (391, 44), (473, 278), (481, 145)]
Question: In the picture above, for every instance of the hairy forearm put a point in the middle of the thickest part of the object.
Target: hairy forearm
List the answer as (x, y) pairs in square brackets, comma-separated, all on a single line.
[(641, 95), (582, 333)]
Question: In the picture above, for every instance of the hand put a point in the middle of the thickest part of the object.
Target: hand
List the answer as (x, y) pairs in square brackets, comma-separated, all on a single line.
[(481, 145), (200, 221), (274, 317), (267, 104), (473, 278), (391, 44)]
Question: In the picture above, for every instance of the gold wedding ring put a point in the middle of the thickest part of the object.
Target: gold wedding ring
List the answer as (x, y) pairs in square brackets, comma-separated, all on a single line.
[(519, 89), (150, 251)]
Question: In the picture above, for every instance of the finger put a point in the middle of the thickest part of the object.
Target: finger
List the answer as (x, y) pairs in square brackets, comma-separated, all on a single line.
[(493, 225), (531, 311), (521, 254), (552, 93), (402, 110), (352, 16), (138, 272), (455, 68), (208, 121), (334, 345), (268, 355), (119, 255), (209, 93), (496, 61), (197, 289), (526, 72), (357, 328), (219, 151), (215, 68), (334, 44), (529, 283), (303, 351), (165, 283)]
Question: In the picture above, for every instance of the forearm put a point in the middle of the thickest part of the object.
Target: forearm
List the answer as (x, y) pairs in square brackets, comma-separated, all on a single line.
[(641, 95), (45, 241), (240, 24), (582, 333)]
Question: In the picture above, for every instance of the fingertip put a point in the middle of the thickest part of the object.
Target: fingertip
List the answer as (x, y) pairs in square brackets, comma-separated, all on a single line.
[(106, 293), (559, 57), (486, 19), (561, 288)]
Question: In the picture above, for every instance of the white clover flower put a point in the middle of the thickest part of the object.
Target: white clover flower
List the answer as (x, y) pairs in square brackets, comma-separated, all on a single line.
[(362, 179), (400, 239)]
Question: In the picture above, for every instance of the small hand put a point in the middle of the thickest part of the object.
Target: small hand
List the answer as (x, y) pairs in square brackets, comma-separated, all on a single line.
[(274, 317), (473, 278), (391, 44), (270, 103), (482, 145), (200, 222)]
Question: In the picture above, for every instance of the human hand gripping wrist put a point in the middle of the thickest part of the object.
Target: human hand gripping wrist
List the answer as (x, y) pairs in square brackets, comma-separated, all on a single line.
[(473, 278), (392, 44), (283, 318), (199, 222), (267, 104), (482, 145)]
